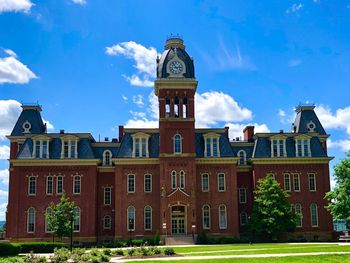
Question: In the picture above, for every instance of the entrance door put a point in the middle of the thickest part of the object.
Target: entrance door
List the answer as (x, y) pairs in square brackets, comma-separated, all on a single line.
[(178, 220)]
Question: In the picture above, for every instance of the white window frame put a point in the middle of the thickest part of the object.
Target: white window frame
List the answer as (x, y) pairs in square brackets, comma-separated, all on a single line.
[(242, 195), (240, 218), (242, 154), (128, 183), (225, 209), (300, 213), (35, 185), (173, 180), (182, 177), (110, 222), (104, 162), (203, 217), (311, 214), (144, 182), (74, 184), (39, 140), (127, 218), (140, 136), (309, 182), (46, 220), (287, 182), (150, 218), (77, 219), (57, 192), (47, 185), (224, 182), (105, 192), (296, 175), (278, 139), (210, 152), (302, 139), (205, 190), (174, 143), (71, 141), (34, 215)]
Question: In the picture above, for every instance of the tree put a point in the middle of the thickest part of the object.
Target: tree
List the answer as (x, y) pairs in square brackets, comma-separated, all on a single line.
[(59, 220), (272, 215), (339, 197)]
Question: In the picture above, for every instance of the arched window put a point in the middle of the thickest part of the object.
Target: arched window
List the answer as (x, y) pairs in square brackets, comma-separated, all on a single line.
[(107, 155), (48, 213), (314, 215), (185, 108), (222, 217), (147, 218), (182, 179), (76, 219), (176, 107), (206, 216), (167, 107), (177, 143), (243, 218), (107, 222), (298, 211), (173, 180), (31, 220), (242, 157), (131, 218)]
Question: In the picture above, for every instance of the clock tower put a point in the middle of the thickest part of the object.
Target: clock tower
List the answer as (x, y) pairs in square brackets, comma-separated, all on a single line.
[(175, 87)]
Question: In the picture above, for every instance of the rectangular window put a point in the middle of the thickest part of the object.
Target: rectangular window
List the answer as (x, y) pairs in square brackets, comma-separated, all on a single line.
[(131, 183), (37, 149), (242, 195), (298, 211), (208, 144), (49, 185), (107, 196), (205, 182), (59, 186), (221, 182), (296, 182), (137, 147), (76, 184), (148, 183), (66, 149), (306, 148), (148, 218), (215, 147), (222, 217), (32, 185), (314, 215), (287, 182), (143, 146), (281, 148), (72, 149), (275, 151), (312, 182), (44, 153), (299, 148)]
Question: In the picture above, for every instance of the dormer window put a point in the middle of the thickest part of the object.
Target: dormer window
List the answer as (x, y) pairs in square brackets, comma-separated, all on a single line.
[(177, 143), (211, 145), (107, 158), (41, 147), (69, 147), (140, 145), (302, 146), (278, 146), (242, 157)]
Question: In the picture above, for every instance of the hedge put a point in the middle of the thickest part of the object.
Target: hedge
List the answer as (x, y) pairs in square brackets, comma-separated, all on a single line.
[(11, 249)]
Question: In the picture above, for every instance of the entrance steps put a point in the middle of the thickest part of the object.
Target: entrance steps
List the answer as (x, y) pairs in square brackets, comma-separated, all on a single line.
[(179, 240)]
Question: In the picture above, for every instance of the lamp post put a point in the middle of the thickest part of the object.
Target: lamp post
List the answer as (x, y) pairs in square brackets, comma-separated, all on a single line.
[(71, 228)]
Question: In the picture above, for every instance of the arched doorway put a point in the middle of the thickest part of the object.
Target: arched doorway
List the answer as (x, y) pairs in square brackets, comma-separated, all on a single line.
[(178, 220)]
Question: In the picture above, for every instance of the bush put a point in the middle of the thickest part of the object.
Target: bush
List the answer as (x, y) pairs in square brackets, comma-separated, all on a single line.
[(119, 252), (39, 247), (107, 251), (156, 239), (137, 242), (60, 255), (120, 244), (169, 251), (131, 252), (9, 249), (202, 238)]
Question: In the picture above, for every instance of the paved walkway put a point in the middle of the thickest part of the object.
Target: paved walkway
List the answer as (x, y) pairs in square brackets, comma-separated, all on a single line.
[(229, 256)]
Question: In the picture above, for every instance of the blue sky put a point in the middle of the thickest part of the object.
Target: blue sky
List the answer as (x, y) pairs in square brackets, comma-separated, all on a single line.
[(90, 64)]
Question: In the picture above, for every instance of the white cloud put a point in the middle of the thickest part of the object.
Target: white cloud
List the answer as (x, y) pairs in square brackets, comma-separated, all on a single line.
[(14, 71), (228, 58), (4, 176), (281, 113), (3, 207), (236, 129), (15, 6), (344, 145), (144, 123), (213, 107), (138, 114), (79, 2), (294, 62), (125, 98), (9, 112), (138, 100), (144, 58), (294, 8), (4, 152), (49, 125), (339, 120), (3, 193)]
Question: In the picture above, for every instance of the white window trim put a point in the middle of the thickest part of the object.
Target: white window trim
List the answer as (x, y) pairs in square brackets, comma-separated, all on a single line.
[(287, 175), (77, 231), (144, 218), (180, 152), (110, 195), (47, 184), (59, 193), (224, 190), (296, 175), (240, 218), (127, 183), (40, 140), (278, 138), (316, 215), (104, 158), (210, 136), (173, 179), (46, 223), (144, 183), (244, 157), (35, 184), (110, 222), (202, 175), (182, 178), (75, 176), (223, 227), (303, 138), (309, 175), (127, 219), (140, 136), (301, 215), (245, 195), (33, 220), (203, 223), (70, 139)]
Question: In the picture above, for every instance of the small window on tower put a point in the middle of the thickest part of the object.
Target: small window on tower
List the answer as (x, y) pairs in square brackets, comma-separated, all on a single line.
[(176, 107), (167, 107), (185, 108)]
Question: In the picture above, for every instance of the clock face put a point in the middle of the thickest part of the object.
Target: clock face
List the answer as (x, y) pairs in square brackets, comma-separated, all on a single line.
[(175, 67)]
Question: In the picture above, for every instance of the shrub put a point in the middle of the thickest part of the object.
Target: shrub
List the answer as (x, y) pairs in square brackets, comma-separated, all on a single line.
[(169, 251), (157, 250), (202, 238), (156, 239), (9, 249), (107, 251), (39, 247), (104, 258), (120, 244), (131, 252), (146, 251), (95, 252), (137, 242), (60, 255), (119, 252)]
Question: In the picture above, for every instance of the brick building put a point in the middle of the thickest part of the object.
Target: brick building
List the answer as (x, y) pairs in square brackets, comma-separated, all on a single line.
[(175, 179)]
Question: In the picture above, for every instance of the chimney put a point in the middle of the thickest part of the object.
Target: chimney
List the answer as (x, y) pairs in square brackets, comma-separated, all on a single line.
[(248, 133), (121, 132), (226, 131)]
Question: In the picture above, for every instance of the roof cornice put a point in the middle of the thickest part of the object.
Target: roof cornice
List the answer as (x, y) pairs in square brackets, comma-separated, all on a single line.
[(291, 160)]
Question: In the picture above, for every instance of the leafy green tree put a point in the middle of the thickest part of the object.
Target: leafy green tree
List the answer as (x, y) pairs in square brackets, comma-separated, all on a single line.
[(272, 215), (339, 197), (59, 220)]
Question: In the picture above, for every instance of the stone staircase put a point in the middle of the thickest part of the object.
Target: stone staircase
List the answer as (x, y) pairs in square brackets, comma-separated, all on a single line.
[(179, 240)]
